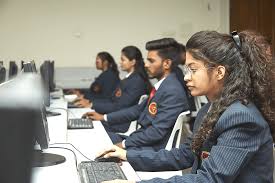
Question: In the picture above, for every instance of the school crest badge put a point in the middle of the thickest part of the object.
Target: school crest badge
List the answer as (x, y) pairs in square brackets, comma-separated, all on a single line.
[(204, 155), (153, 108), (118, 92)]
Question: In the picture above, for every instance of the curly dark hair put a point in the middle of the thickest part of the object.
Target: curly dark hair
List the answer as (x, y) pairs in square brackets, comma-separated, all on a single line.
[(249, 75)]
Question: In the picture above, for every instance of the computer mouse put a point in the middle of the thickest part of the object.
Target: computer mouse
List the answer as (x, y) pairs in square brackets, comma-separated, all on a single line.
[(111, 159), (85, 117)]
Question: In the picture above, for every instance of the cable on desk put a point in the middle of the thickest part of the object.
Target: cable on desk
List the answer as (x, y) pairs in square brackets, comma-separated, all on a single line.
[(67, 111), (74, 148), (69, 150)]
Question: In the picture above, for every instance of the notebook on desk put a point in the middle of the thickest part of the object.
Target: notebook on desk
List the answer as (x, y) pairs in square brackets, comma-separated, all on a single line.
[(97, 172)]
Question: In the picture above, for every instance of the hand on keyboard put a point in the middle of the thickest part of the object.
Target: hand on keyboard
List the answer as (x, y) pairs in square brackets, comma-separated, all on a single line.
[(114, 151), (83, 103), (94, 116)]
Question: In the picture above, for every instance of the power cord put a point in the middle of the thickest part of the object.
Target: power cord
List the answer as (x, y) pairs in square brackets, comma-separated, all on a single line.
[(67, 111), (69, 150), (74, 148)]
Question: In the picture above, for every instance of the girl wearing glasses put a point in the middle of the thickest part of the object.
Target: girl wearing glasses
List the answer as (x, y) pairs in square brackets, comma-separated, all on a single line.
[(233, 134)]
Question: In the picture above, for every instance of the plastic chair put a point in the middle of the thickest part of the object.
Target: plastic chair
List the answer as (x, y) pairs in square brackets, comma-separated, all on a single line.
[(134, 126), (199, 102), (180, 127)]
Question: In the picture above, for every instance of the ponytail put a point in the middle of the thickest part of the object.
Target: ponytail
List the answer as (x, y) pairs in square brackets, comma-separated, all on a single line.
[(262, 73)]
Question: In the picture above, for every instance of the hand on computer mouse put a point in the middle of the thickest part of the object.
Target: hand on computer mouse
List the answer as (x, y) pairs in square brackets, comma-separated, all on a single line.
[(113, 151)]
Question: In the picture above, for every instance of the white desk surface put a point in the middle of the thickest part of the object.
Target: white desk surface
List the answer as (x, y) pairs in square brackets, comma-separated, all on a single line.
[(88, 141)]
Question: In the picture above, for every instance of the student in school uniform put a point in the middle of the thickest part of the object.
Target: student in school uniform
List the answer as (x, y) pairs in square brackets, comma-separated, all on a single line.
[(232, 140), (157, 114), (105, 83), (129, 90), (180, 74)]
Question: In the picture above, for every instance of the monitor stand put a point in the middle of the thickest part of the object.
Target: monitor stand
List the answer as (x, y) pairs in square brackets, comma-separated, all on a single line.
[(42, 159)]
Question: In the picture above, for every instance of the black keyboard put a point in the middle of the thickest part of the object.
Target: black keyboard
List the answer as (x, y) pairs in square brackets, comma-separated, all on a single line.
[(80, 123), (96, 172)]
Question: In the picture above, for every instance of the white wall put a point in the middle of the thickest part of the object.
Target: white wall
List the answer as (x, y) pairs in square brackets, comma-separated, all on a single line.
[(71, 32)]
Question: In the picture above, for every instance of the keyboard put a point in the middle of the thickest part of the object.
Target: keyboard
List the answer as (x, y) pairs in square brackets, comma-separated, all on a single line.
[(96, 172), (80, 123)]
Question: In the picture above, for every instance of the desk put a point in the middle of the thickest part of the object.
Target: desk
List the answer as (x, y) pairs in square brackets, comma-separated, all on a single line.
[(88, 141)]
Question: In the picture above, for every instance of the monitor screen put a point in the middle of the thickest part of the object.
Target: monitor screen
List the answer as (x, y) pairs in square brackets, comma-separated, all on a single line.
[(42, 132), (29, 67), (12, 69), (45, 74), (24, 122), (2, 74), (19, 110), (51, 77)]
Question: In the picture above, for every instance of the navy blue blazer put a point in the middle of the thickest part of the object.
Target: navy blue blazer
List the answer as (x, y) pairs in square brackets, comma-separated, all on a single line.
[(126, 94), (107, 81), (241, 151), (157, 118)]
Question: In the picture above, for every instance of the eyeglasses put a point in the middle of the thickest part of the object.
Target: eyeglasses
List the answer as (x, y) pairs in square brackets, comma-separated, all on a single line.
[(187, 71)]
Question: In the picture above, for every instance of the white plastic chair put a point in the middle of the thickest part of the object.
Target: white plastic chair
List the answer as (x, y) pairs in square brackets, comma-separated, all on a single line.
[(134, 126), (199, 100), (181, 126)]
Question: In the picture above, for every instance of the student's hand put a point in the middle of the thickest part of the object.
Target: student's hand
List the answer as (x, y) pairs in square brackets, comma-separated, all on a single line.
[(119, 181), (119, 145), (83, 103), (78, 99), (74, 91), (113, 151), (94, 116)]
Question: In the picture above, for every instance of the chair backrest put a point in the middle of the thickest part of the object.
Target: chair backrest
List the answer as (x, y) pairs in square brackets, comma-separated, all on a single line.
[(134, 126), (142, 98), (199, 102), (181, 126)]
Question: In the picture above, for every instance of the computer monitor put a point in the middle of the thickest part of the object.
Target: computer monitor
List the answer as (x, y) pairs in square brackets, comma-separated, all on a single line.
[(2, 74), (29, 66), (33, 66), (12, 69), (51, 75), (42, 159), (45, 74), (23, 122), (19, 107)]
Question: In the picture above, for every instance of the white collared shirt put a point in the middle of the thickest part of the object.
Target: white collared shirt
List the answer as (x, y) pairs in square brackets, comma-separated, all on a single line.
[(157, 85), (127, 75)]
